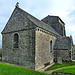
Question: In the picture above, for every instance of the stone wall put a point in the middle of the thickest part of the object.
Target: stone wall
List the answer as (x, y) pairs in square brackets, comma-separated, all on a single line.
[(56, 24), (42, 48), (58, 28), (25, 54), (63, 54), (18, 22)]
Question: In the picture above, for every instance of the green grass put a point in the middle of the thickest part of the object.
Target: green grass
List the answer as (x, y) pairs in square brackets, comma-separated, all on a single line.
[(56, 66), (70, 70), (6, 69)]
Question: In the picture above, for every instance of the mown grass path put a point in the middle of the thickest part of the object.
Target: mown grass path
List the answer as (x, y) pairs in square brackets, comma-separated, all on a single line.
[(50, 71), (69, 71), (56, 65)]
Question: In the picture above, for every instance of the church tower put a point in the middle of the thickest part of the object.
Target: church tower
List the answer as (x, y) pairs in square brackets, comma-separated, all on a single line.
[(56, 23)]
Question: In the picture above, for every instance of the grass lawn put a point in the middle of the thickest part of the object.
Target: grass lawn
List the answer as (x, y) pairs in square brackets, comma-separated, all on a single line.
[(64, 64), (6, 69), (70, 70)]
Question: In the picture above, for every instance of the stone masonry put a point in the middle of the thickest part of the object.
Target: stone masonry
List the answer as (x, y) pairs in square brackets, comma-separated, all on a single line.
[(37, 45), (56, 23)]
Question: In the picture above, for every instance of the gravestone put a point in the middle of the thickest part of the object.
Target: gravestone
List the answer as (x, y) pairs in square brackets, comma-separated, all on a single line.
[(59, 60)]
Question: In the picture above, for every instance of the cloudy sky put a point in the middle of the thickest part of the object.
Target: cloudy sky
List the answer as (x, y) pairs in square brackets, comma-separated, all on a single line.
[(65, 9)]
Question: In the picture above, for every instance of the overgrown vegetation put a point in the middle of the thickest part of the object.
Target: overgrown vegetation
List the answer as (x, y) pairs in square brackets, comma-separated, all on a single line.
[(70, 70), (6, 69), (64, 64)]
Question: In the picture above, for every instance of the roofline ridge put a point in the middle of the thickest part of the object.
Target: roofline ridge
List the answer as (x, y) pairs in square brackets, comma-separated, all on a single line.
[(40, 21)]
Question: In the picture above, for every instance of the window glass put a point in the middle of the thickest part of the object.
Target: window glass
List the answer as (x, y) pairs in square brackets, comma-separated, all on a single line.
[(16, 40)]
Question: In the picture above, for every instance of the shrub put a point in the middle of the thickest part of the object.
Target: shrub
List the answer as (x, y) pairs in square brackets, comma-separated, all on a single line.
[(1, 54)]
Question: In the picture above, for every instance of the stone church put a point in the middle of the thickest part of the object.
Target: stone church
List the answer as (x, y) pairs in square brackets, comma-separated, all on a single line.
[(33, 43)]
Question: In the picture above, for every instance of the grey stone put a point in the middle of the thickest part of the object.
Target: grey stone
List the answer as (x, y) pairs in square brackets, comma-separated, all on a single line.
[(59, 60), (34, 41), (56, 23)]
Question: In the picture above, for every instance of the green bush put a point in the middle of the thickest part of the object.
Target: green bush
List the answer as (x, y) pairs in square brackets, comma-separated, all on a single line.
[(1, 54)]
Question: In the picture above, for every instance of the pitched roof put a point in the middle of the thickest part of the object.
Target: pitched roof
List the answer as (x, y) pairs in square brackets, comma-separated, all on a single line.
[(49, 16), (37, 22), (63, 43)]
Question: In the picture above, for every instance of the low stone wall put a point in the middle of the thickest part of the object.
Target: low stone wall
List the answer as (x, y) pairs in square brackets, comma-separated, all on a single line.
[(60, 74)]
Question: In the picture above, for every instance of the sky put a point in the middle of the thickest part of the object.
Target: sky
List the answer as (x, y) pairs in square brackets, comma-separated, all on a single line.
[(65, 9)]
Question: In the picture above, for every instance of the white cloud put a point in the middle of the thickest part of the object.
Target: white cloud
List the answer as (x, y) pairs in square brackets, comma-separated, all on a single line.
[(65, 9)]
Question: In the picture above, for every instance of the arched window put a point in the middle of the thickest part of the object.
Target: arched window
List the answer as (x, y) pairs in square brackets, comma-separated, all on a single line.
[(50, 46), (16, 40)]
